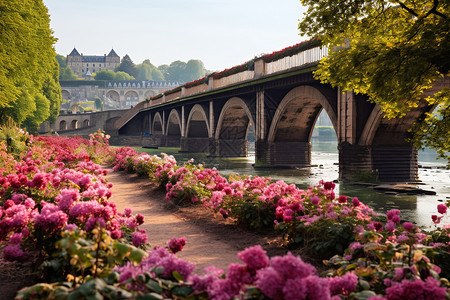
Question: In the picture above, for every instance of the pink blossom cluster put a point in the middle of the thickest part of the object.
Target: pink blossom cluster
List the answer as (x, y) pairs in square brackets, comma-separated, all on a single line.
[(46, 192), (158, 257)]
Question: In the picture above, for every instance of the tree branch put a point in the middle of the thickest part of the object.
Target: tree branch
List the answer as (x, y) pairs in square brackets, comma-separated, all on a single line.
[(408, 9), (433, 10)]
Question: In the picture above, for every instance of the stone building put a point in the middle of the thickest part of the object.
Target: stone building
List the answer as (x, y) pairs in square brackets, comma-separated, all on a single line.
[(82, 64)]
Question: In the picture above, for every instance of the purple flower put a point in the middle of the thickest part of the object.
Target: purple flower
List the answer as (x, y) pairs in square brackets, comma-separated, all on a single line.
[(295, 289), (390, 226), (290, 266), (416, 289), (315, 200), (408, 226), (139, 238), (254, 257), (270, 282), (13, 252), (343, 284), (176, 245)]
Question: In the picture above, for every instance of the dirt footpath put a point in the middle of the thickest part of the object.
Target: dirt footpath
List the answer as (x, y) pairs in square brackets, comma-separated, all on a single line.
[(210, 240)]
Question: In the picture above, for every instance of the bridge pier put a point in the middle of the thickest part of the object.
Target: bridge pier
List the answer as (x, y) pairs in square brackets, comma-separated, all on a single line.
[(172, 141), (387, 163), (230, 148), (283, 154), (195, 144)]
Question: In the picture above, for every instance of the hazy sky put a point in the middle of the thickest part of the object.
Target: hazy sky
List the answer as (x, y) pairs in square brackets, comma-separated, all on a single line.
[(221, 33)]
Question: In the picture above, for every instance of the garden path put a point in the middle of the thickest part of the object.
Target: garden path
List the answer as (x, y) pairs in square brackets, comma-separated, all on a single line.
[(210, 240)]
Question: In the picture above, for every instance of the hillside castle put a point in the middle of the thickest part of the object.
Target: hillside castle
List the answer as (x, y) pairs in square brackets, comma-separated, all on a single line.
[(85, 65)]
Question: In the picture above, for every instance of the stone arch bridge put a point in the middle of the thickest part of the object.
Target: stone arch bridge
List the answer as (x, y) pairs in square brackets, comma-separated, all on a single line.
[(119, 94), (282, 101)]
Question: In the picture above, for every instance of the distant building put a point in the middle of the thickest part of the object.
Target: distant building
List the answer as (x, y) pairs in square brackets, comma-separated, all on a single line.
[(83, 64)]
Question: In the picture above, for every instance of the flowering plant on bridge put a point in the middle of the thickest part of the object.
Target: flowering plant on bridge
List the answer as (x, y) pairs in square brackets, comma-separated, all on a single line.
[(292, 50)]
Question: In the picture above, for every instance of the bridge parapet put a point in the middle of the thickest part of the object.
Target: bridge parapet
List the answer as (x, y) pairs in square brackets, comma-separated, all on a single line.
[(303, 58)]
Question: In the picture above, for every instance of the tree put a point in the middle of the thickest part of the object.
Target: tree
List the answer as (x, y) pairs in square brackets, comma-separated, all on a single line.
[(65, 73), (121, 76), (390, 50), (127, 66), (183, 72), (105, 75), (112, 76), (194, 70), (147, 71), (28, 71)]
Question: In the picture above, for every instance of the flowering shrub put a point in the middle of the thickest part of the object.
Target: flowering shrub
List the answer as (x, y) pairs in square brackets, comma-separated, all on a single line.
[(59, 203), (55, 186)]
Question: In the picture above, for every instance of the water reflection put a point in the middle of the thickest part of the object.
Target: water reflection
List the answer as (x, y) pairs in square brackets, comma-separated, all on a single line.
[(324, 158)]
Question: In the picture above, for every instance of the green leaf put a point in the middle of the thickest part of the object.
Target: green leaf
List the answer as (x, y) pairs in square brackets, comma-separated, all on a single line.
[(177, 276), (154, 286), (182, 291)]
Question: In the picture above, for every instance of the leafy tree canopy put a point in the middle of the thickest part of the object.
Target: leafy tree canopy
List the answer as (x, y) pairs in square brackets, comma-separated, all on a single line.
[(65, 73), (112, 76), (391, 50), (29, 89), (147, 71), (183, 72), (127, 66)]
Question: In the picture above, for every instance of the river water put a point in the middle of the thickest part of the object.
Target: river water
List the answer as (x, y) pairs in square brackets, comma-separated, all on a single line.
[(324, 155)]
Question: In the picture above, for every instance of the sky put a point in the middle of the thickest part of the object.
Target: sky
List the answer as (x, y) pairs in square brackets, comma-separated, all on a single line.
[(221, 33)]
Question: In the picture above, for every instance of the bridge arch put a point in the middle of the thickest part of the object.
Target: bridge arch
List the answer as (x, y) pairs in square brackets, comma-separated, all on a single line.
[(197, 124), (86, 123), (63, 125), (297, 113), (234, 120), (131, 96), (157, 125), (174, 124), (74, 124), (113, 95), (65, 94)]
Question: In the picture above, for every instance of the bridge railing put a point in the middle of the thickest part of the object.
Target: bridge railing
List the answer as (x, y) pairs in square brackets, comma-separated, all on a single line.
[(302, 58), (235, 78)]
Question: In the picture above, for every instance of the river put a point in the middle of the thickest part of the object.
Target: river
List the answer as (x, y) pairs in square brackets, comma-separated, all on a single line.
[(417, 208)]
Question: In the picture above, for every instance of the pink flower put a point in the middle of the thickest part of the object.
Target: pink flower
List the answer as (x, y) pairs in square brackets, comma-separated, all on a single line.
[(408, 226), (270, 282), (329, 185), (13, 252), (442, 209), (315, 200), (390, 226), (139, 238), (176, 245), (254, 257), (356, 202), (342, 199), (344, 284)]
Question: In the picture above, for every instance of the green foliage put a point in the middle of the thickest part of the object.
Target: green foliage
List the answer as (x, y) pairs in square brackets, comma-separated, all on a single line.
[(65, 73), (15, 139), (183, 72), (29, 70), (147, 71), (98, 104), (82, 256), (111, 75), (127, 66), (392, 51)]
